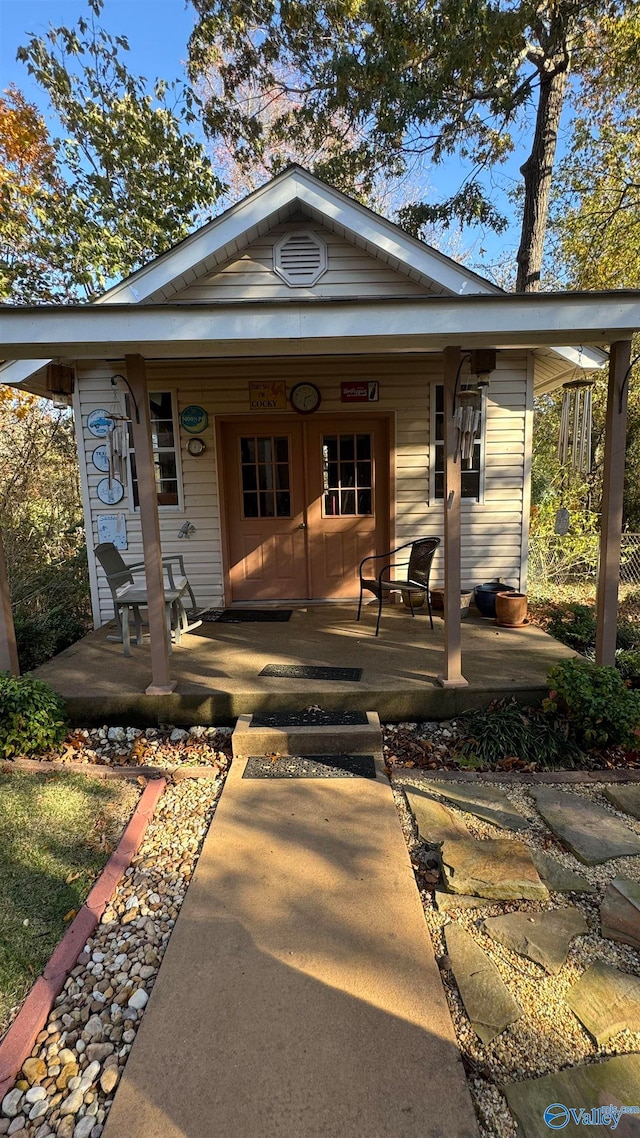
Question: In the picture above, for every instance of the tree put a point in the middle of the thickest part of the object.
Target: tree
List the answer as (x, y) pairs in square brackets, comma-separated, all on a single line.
[(29, 179), (411, 80), (134, 179)]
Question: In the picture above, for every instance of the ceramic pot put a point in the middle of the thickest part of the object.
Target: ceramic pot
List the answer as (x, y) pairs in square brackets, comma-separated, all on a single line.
[(437, 601), (417, 597), (485, 596), (511, 609)]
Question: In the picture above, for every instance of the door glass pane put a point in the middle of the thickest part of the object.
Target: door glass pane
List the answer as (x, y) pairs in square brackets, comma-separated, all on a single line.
[(347, 484), (264, 466)]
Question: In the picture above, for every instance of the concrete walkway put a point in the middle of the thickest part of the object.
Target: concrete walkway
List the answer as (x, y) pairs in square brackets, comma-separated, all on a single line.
[(299, 996)]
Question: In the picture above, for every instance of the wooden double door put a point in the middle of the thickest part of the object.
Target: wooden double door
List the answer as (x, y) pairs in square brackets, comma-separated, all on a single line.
[(305, 501)]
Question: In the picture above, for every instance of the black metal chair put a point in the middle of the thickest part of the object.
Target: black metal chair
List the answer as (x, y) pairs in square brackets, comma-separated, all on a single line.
[(417, 565)]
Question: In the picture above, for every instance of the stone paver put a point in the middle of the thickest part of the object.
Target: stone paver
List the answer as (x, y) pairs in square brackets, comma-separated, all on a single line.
[(434, 821), (299, 970), (544, 937), (606, 1001), (620, 911), (487, 802), (595, 1086), (499, 868), (625, 798), (446, 902), (487, 1000), (557, 877), (586, 829)]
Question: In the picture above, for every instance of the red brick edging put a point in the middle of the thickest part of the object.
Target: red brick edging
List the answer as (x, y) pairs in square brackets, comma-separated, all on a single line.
[(21, 1036)]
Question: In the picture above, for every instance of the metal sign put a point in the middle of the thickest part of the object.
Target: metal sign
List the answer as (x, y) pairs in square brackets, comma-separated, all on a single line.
[(113, 528), (100, 422), (194, 419), (367, 391), (110, 491), (267, 396), (100, 458)]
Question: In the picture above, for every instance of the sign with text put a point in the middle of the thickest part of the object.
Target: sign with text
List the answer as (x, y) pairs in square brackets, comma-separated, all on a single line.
[(367, 391), (267, 396)]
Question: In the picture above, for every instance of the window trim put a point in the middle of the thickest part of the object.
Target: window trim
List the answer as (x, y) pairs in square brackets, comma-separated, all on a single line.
[(161, 389), (467, 503)]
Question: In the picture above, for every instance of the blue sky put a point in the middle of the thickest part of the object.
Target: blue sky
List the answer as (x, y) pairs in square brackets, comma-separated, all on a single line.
[(158, 32)]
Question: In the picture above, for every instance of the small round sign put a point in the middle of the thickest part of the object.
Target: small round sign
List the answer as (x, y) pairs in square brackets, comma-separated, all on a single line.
[(194, 419), (112, 493), (100, 458), (100, 422)]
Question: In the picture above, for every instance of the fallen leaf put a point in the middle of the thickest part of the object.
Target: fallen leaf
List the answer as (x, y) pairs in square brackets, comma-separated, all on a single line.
[(73, 876), (70, 915)]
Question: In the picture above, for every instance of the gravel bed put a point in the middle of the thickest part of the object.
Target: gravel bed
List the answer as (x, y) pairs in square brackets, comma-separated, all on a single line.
[(548, 1037), (67, 1085), (165, 747)]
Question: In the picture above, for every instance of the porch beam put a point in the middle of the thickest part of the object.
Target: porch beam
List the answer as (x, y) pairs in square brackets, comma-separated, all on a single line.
[(161, 682), (612, 497), (8, 648), (452, 675)]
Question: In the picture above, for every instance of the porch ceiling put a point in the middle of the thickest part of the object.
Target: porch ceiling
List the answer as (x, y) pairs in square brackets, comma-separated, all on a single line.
[(427, 324)]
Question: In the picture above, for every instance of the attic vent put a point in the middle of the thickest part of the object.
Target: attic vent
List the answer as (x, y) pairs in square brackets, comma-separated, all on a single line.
[(300, 258)]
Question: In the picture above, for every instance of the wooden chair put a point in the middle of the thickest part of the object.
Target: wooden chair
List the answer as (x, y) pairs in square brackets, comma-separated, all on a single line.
[(418, 569), (129, 594)]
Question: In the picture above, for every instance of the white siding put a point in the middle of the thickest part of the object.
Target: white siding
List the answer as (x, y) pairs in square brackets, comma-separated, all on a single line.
[(351, 271), (492, 531)]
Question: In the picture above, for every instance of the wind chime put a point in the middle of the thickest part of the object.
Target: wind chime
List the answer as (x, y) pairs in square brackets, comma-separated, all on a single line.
[(574, 440), (117, 441), (467, 423)]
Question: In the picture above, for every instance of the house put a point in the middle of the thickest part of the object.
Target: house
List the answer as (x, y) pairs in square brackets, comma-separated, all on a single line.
[(283, 383)]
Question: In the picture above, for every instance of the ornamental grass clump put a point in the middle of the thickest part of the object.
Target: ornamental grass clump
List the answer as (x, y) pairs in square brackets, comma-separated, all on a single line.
[(505, 730), (601, 708), (32, 716)]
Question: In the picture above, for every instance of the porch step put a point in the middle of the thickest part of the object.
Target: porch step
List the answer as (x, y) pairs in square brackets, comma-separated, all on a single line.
[(273, 733)]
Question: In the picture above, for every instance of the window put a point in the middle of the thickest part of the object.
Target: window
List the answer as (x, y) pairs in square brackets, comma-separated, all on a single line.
[(266, 489), (471, 475), (347, 475), (164, 436)]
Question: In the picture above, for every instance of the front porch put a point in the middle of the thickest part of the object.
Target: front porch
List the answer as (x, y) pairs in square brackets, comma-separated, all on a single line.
[(217, 669)]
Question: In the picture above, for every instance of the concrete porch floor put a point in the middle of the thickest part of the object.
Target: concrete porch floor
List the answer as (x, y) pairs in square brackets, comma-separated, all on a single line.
[(217, 669)]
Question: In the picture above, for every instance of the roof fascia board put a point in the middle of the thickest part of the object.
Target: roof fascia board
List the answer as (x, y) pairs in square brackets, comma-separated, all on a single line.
[(294, 185), (503, 321)]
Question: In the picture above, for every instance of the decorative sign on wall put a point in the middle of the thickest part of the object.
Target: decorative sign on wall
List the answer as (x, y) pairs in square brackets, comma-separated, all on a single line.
[(367, 391), (110, 491), (100, 422), (194, 419), (100, 458), (267, 396), (113, 527)]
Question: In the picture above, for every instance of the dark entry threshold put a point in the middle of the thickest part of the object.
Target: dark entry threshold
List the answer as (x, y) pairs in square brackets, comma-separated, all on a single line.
[(311, 766)]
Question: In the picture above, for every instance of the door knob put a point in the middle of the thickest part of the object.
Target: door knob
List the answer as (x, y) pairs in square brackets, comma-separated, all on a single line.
[(303, 525)]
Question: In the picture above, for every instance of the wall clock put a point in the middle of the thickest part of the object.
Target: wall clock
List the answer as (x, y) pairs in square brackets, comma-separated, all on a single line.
[(196, 447), (110, 492), (305, 398)]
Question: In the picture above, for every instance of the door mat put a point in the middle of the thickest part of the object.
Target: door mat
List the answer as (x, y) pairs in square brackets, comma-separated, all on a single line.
[(311, 766), (246, 616), (311, 718), (306, 672)]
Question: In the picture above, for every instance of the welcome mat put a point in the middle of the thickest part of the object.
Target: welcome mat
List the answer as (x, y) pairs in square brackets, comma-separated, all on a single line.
[(308, 672), (246, 616), (310, 718), (311, 766)]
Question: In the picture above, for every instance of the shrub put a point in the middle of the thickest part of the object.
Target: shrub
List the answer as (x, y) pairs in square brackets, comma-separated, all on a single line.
[(32, 716), (628, 664), (506, 729), (601, 709), (574, 625)]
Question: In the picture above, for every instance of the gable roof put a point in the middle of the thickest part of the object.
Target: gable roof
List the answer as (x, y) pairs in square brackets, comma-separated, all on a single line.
[(295, 189)]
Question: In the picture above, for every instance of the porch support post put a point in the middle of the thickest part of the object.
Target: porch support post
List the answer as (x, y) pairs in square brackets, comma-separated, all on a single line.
[(8, 649), (161, 682), (612, 494), (452, 674)]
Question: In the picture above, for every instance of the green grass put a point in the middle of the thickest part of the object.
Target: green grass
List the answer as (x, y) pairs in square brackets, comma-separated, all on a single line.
[(56, 834)]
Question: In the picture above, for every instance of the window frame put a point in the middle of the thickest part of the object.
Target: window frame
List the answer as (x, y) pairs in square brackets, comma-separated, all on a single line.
[(177, 450), (466, 501)]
